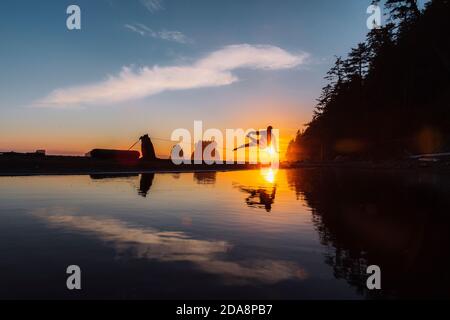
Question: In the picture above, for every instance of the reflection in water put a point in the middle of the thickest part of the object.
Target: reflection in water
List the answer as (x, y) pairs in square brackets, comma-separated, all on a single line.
[(170, 246), (260, 198), (176, 175), (399, 222), (263, 196), (207, 177), (146, 183), (102, 176), (343, 221), (269, 174)]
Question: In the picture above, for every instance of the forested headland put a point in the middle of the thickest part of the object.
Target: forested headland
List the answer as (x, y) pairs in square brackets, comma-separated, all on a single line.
[(389, 98)]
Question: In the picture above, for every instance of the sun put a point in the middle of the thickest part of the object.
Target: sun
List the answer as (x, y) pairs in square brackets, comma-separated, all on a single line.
[(270, 151)]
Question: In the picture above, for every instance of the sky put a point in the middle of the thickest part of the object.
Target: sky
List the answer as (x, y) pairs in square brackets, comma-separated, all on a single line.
[(152, 66)]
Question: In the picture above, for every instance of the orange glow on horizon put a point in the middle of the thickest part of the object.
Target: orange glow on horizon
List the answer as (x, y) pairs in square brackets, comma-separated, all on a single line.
[(59, 145)]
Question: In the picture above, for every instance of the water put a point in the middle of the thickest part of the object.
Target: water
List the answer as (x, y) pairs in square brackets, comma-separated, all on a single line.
[(291, 234)]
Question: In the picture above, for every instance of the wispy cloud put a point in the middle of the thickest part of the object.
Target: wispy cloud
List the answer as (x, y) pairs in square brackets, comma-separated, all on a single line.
[(152, 5), (213, 70), (145, 31), (135, 29)]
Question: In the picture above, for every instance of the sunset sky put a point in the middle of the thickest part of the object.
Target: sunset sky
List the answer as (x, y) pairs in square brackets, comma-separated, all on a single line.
[(148, 66)]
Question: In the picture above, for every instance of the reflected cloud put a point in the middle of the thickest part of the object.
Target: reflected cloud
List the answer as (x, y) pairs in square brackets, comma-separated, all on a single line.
[(173, 246)]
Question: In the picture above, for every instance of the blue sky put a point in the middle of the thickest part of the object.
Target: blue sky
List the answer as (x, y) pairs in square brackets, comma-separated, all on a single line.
[(292, 41)]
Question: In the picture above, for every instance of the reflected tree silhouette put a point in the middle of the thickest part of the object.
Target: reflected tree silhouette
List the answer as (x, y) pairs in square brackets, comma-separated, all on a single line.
[(398, 221)]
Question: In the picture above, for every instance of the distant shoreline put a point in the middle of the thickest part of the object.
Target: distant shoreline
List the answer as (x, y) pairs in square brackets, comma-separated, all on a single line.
[(64, 165), (118, 173), (72, 165)]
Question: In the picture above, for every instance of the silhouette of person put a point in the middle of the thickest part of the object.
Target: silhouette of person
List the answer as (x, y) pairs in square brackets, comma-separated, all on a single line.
[(263, 139), (148, 151), (146, 183)]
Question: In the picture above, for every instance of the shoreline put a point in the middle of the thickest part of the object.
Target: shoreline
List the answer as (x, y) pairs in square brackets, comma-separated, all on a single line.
[(66, 165), (83, 173)]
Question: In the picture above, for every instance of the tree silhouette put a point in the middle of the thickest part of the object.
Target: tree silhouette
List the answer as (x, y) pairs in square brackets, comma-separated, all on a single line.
[(390, 96), (405, 11), (357, 62)]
